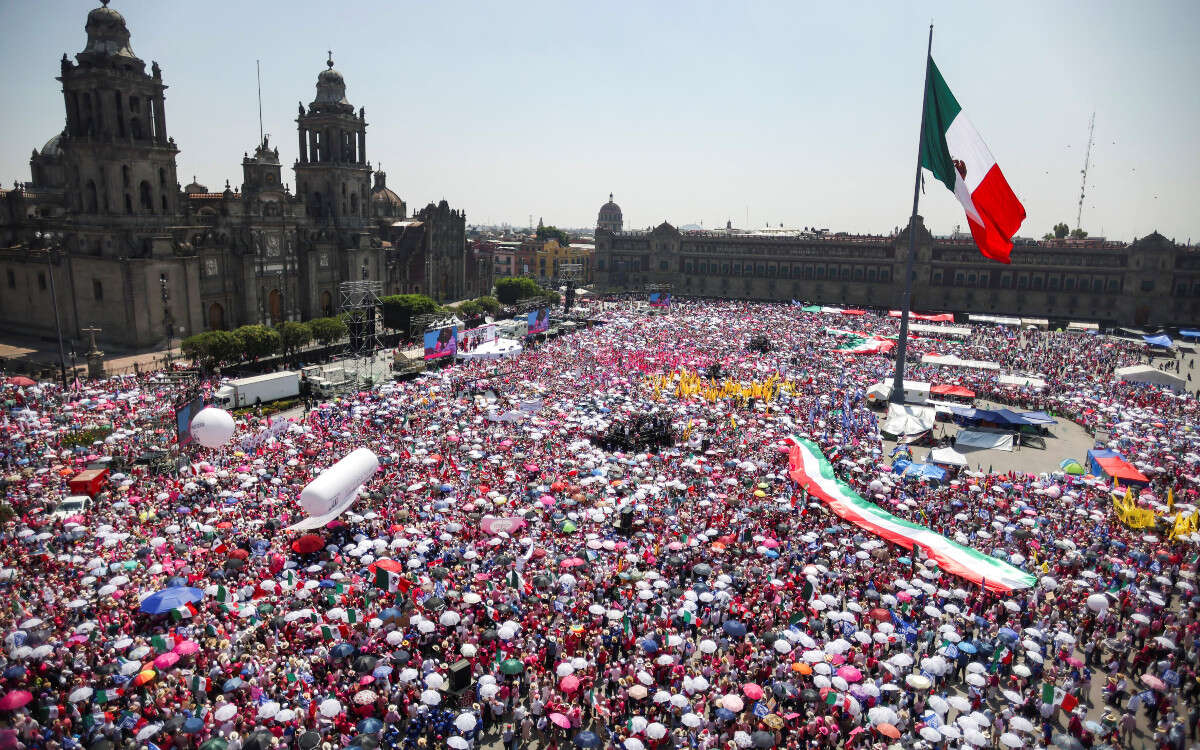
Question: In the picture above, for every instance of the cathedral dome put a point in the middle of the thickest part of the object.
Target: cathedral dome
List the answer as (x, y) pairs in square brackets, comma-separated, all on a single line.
[(610, 216), (331, 87), (53, 149), (107, 33)]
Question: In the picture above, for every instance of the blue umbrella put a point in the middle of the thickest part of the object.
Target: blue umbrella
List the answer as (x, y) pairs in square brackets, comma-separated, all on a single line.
[(650, 645), (169, 599), (587, 739), (341, 650), (967, 647), (370, 725), (1008, 634), (232, 684), (724, 714), (734, 628), (176, 581), (391, 613), (193, 725), (327, 583), (14, 672)]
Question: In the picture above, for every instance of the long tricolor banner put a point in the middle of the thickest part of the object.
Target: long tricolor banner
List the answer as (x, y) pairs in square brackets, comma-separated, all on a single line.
[(810, 469)]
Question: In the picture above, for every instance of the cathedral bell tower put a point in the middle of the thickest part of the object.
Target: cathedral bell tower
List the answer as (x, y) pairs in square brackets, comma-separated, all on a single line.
[(117, 157), (332, 174)]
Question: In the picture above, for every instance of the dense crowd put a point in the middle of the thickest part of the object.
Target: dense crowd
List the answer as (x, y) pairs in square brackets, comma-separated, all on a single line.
[(691, 596)]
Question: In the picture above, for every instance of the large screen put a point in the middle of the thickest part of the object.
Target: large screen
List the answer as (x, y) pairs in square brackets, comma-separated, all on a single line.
[(473, 338), (183, 419), (660, 299), (538, 320), (441, 342)]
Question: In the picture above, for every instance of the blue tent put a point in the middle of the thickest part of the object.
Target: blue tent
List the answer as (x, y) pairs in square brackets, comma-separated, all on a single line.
[(1188, 333), (1159, 340), (1038, 417)]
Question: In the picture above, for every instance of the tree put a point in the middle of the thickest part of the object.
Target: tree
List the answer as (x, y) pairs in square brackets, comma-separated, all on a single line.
[(491, 305), (257, 341), (470, 309), (553, 233), (1061, 230), (1078, 234), (400, 309), (328, 330), (211, 348), (293, 335), (513, 288)]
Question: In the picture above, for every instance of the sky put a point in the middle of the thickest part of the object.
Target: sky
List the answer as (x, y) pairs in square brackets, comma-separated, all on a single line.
[(688, 111)]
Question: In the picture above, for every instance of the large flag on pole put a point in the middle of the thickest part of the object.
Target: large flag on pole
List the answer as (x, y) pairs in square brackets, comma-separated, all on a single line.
[(952, 149)]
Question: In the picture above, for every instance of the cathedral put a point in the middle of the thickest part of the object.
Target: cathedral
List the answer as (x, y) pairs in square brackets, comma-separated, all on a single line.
[(104, 228)]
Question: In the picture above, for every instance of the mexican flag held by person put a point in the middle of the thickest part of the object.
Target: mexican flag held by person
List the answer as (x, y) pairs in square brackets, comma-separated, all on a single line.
[(954, 152)]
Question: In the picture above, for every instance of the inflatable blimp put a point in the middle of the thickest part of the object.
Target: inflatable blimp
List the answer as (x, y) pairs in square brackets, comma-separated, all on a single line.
[(335, 489)]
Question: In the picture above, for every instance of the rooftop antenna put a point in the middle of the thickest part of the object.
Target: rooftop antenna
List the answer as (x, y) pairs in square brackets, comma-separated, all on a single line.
[(258, 69), (1087, 159)]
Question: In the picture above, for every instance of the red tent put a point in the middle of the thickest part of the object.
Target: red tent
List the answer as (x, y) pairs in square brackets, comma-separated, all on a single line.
[(1119, 468), (952, 390)]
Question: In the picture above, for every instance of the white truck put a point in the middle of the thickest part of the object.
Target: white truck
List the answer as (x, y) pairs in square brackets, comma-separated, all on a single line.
[(273, 386)]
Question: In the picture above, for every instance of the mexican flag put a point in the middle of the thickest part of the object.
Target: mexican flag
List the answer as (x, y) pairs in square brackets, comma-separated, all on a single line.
[(809, 468), (222, 595), (387, 580), (186, 611), (952, 149)]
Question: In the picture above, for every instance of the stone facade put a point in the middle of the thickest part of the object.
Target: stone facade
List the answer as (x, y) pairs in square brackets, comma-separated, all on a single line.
[(104, 225), (1152, 281)]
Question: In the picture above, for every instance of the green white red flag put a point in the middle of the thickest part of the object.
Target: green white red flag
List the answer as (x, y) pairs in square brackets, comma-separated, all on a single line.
[(809, 468), (952, 149)]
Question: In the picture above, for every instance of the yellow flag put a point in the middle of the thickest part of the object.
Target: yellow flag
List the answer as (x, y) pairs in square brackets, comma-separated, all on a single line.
[(732, 422), (1170, 499)]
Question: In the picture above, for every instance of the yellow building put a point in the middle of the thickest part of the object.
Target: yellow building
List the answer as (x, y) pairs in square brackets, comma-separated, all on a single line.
[(552, 255)]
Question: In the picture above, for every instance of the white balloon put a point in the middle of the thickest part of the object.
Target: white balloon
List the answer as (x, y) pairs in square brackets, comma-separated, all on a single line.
[(212, 427)]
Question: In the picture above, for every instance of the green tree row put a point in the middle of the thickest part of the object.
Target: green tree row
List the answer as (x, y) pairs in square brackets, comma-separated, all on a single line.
[(252, 342), (1061, 231), (513, 289)]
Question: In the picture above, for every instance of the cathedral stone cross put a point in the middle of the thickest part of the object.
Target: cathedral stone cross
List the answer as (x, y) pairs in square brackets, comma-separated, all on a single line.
[(91, 330)]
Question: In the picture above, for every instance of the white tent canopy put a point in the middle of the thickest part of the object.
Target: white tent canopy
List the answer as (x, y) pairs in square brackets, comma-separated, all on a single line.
[(904, 420), (1002, 441), (947, 457), (1150, 374), (960, 332), (1022, 380), (950, 360)]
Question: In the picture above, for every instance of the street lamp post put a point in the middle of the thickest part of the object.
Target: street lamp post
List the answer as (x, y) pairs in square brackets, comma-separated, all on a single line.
[(62, 358)]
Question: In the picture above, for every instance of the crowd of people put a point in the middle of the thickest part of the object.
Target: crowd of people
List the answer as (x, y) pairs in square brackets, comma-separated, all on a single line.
[(508, 581)]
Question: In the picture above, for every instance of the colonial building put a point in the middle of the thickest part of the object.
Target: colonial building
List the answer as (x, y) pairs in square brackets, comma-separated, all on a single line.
[(1150, 281), (104, 227)]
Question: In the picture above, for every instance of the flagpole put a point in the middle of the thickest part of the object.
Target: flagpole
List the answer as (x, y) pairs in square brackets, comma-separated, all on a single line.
[(906, 301)]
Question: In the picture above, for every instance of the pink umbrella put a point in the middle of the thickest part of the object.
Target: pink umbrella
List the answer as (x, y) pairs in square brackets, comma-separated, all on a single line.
[(15, 699), (187, 648), (849, 673), (752, 691), (164, 661), (569, 684), (560, 720)]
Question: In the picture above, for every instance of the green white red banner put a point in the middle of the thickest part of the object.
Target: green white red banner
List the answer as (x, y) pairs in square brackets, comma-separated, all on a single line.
[(809, 468)]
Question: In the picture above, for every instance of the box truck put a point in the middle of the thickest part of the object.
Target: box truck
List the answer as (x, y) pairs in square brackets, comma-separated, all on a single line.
[(273, 386)]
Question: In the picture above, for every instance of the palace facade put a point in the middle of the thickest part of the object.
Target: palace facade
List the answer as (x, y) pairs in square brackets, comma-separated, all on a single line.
[(1151, 281)]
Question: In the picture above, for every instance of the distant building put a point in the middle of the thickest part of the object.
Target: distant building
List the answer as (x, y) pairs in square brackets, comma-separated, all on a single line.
[(610, 217), (1150, 281)]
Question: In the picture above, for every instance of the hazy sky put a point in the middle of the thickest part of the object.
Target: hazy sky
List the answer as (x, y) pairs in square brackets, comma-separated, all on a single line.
[(800, 113)]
